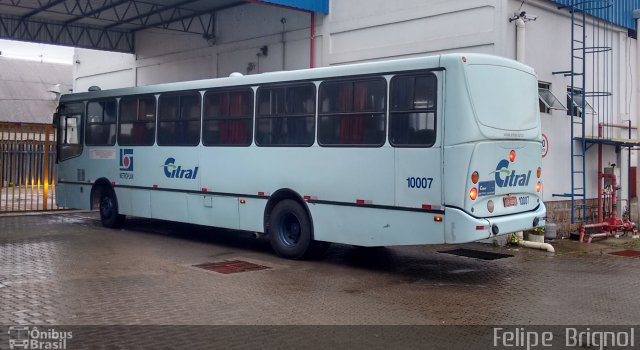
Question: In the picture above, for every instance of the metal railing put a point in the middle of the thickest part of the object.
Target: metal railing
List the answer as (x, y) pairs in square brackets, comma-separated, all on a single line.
[(27, 167)]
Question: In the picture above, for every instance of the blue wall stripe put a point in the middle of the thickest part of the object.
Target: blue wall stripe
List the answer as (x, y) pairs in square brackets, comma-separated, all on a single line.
[(620, 13)]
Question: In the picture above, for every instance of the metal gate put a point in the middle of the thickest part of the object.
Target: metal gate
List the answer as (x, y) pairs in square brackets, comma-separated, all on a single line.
[(27, 167)]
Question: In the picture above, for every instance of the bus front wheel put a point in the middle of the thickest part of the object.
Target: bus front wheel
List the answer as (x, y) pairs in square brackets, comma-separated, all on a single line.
[(109, 210), (290, 232)]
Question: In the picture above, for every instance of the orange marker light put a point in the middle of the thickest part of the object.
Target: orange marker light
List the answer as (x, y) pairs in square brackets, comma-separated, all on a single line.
[(437, 218), (512, 155), (474, 177), (473, 194), (538, 186), (539, 172), (242, 201)]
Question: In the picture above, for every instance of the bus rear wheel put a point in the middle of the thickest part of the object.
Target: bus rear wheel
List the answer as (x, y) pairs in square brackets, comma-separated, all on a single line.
[(290, 232), (109, 210)]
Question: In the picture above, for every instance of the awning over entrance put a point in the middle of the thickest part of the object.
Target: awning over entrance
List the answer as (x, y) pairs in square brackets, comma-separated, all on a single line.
[(111, 24)]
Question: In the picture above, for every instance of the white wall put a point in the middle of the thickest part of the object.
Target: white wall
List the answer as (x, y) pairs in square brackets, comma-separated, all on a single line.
[(367, 30)]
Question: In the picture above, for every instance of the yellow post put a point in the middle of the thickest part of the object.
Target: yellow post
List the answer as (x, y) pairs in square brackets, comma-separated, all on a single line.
[(46, 168)]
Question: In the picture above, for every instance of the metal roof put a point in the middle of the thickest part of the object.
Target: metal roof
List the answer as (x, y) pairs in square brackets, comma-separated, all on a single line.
[(111, 24), (25, 89), (620, 12)]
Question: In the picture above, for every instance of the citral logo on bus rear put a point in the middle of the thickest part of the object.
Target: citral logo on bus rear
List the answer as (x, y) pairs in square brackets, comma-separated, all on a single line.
[(511, 178), (173, 171)]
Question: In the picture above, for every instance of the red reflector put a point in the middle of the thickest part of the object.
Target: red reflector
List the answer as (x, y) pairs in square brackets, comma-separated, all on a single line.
[(155, 186), (482, 227), (113, 183), (306, 198), (204, 189), (260, 193), (426, 206), (359, 201)]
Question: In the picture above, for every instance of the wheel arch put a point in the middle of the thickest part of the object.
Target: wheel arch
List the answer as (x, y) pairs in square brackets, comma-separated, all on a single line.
[(277, 197), (101, 185)]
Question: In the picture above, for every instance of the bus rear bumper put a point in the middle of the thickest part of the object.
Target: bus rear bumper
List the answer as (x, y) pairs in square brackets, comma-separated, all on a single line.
[(462, 227)]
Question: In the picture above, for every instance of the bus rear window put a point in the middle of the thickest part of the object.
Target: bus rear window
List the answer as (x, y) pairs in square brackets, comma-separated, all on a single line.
[(352, 112), (503, 98)]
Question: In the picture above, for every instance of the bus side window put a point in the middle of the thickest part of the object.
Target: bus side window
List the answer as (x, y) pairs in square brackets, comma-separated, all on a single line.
[(228, 118), (179, 119), (137, 121), (101, 123), (352, 112), (286, 115), (413, 110)]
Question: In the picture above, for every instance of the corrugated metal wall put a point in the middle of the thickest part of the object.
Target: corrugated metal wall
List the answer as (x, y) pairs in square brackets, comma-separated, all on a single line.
[(620, 13)]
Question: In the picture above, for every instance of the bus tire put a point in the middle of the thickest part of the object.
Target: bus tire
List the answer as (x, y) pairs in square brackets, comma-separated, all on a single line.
[(290, 231), (109, 210)]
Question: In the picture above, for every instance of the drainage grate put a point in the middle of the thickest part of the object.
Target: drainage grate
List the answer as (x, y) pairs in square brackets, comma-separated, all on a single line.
[(231, 266), (476, 254), (628, 253)]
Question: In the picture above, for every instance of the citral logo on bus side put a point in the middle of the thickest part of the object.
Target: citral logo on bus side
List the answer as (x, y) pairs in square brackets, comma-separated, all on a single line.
[(511, 178), (173, 171)]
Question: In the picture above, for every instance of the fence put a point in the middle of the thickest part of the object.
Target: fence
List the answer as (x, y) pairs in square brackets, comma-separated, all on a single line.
[(27, 167)]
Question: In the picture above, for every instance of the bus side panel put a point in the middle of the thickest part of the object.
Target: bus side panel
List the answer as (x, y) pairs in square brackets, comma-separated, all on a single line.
[(170, 206), (418, 177), (134, 202), (73, 196), (372, 227), (219, 211), (252, 214), (456, 174)]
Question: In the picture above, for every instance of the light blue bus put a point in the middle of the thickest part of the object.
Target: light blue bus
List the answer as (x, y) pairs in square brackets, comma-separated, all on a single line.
[(430, 150)]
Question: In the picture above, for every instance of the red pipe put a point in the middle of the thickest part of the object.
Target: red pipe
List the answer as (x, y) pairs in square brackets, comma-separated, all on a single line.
[(600, 177)]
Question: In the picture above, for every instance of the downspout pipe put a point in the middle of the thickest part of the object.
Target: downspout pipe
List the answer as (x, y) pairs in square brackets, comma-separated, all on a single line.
[(520, 39), (636, 15)]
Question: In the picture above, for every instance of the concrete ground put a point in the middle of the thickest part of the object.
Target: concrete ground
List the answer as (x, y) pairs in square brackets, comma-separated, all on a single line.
[(65, 268)]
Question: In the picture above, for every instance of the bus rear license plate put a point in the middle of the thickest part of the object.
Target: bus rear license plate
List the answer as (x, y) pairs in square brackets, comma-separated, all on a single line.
[(509, 201)]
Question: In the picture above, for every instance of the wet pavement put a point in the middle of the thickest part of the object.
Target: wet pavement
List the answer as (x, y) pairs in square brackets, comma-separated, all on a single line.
[(65, 268)]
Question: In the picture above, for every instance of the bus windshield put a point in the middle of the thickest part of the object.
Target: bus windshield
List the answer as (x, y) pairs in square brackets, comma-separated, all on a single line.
[(499, 100)]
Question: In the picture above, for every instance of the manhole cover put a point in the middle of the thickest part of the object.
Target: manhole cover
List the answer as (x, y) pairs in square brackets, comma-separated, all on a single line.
[(628, 253), (231, 266), (476, 254)]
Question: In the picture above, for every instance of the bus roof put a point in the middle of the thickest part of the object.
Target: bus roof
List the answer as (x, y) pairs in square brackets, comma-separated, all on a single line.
[(407, 64)]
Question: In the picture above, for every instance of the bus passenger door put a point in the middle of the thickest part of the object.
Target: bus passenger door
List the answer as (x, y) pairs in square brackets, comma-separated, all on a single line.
[(415, 132)]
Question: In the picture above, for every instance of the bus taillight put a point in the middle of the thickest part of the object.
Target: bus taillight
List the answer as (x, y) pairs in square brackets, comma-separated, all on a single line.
[(539, 172), (538, 186), (512, 156), (473, 194), (474, 177)]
